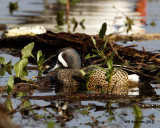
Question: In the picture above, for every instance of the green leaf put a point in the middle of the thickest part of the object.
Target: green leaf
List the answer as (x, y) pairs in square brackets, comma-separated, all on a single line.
[(128, 24), (87, 76), (39, 54), (82, 24), (104, 46), (20, 69), (103, 30), (84, 112), (8, 103), (63, 1), (75, 24), (87, 56), (2, 60), (153, 23), (137, 111), (110, 61), (10, 84), (8, 67), (82, 72), (26, 51), (2, 72), (109, 64), (26, 105), (50, 124), (13, 6), (60, 19), (24, 72), (74, 2), (93, 40)]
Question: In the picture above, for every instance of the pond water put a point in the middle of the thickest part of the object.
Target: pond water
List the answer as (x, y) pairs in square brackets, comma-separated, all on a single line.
[(110, 113)]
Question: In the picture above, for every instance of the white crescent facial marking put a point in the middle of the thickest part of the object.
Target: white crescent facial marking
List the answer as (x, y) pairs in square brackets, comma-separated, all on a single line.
[(63, 62)]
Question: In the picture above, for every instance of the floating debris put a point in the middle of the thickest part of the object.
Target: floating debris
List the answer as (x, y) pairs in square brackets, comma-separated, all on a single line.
[(24, 31)]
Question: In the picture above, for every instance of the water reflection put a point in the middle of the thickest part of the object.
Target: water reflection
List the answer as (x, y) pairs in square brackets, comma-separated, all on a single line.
[(95, 13)]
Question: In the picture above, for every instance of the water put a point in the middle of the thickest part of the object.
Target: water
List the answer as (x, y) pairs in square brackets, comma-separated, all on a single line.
[(86, 113)]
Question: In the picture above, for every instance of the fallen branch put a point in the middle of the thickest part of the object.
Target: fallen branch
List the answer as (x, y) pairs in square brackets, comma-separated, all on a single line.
[(135, 37)]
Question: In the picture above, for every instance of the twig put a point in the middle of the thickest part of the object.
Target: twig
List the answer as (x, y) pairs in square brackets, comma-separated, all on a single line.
[(140, 64), (96, 61)]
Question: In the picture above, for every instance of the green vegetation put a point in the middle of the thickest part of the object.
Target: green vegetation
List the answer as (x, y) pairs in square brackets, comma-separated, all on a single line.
[(86, 77), (10, 84), (103, 31), (50, 124), (102, 53), (61, 20), (13, 6), (4, 66), (20, 67), (137, 111), (128, 24), (72, 2), (138, 116), (110, 71), (76, 23)]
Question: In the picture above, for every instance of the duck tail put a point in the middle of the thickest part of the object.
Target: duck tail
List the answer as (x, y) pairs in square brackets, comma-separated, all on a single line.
[(133, 77)]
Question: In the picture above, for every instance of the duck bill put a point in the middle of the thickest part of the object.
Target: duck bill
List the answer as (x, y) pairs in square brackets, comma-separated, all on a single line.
[(53, 67)]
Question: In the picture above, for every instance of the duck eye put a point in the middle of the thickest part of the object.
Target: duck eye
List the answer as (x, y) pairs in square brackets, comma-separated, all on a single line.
[(64, 55)]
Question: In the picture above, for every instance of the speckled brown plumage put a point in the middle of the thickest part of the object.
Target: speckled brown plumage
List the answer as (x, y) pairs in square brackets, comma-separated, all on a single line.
[(119, 83)]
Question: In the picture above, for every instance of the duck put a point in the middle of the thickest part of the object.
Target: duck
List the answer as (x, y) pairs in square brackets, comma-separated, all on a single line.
[(70, 75)]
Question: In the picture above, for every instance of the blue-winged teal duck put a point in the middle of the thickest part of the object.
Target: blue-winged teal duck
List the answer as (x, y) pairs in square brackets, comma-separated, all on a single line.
[(69, 59)]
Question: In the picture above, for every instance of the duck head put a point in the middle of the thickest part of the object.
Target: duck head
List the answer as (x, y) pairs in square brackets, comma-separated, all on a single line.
[(67, 58)]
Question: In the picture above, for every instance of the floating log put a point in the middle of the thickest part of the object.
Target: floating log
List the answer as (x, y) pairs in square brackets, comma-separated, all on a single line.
[(50, 43)]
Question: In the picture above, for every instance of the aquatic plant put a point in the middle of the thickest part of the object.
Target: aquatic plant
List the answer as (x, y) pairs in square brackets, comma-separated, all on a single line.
[(20, 66), (128, 24), (13, 6), (59, 18), (138, 116), (86, 77), (60, 15), (103, 31), (76, 23), (4, 66), (50, 124), (107, 59), (10, 84)]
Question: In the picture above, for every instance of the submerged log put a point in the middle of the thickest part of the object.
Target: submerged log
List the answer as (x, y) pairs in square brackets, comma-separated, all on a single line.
[(81, 97)]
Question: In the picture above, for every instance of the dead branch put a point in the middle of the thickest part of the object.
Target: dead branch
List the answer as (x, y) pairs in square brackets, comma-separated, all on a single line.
[(135, 37)]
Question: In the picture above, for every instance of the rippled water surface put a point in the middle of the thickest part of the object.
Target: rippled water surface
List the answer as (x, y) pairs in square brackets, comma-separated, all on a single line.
[(110, 113)]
